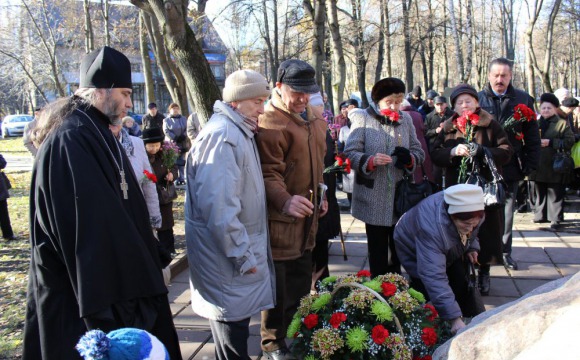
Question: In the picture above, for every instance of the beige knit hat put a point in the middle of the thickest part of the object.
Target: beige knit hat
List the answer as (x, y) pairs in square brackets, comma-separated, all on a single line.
[(463, 198), (245, 84)]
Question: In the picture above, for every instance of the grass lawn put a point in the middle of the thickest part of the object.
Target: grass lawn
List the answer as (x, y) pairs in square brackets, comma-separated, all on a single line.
[(15, 255)]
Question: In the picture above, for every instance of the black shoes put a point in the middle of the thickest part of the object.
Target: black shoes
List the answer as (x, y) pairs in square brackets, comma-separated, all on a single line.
[(180, 182), (10, 238), (509, 262), (280, 354), (484, 283), (555, 225)]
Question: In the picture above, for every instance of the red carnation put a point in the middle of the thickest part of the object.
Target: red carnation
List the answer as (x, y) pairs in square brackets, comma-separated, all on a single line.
[(379, 334), (519, 136), (473, 119), (393, 115), (388, 289), (311, 321), (363, 273), (461, 123), (429, 336), (336, 319), (338, 160), (347, 167), (150, 176), (434, 312)]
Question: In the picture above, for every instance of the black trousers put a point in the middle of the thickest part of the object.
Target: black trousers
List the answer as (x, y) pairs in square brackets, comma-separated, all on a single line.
[(320, 260), (231, 339), (381, 247), (508, 216), (293, 280), (457, 276), (5, 220), (167, 239), (549, 204)]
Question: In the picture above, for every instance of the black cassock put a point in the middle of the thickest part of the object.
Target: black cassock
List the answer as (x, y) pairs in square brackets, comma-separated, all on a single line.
[(94, 261)]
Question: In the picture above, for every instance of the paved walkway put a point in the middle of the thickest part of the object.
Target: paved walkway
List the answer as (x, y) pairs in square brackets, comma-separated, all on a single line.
[(542, 255)]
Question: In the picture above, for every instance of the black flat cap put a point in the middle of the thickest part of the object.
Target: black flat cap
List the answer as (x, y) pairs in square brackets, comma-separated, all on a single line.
[(570, 102), (152, 106), (347, 103), (386, 87), (460, 90), (432, 94), (550, 98), (440, 99), (417, 91), (299, 75), (105, 68)]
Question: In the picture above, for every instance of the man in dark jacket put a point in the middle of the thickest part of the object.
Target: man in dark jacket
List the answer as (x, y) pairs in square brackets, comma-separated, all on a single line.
[(429, 104), (414, 97), (153, 119), (434, 120), (499, 98)]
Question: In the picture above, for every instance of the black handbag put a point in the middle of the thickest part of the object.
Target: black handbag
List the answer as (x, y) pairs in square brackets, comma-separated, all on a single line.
[(563, 162), (167, 193), (494, 191), (473, 305), (409, 194)]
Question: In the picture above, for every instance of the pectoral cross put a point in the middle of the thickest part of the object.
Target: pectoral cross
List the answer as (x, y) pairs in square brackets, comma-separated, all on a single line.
[(124, 185)]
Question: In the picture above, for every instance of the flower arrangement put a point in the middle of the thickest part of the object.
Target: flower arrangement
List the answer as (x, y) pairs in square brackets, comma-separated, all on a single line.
[(356, 317), (522, 113), (392, 115), (169, 154), (147, 176), (466, 124), (341, 165)]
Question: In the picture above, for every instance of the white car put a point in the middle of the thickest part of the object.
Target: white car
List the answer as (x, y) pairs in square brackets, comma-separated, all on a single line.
[(13, 125)]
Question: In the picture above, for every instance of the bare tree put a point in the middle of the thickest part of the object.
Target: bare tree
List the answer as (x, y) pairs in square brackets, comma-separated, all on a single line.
[(105, 12), (144, 51), (317, 14), (338, 54), (406, 5), (187, 52), (89, 37)]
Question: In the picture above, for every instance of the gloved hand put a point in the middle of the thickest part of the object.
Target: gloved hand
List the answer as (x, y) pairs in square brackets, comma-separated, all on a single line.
[(403, 157), (475, 150)]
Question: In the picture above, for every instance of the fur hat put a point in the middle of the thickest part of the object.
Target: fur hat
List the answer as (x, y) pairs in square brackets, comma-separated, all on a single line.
[(121, 344), (153, 135), (460, 90), (299, 75), (105, 68), (386, 87), (551, 98), (570, 102), (245, 84), (463, 198)]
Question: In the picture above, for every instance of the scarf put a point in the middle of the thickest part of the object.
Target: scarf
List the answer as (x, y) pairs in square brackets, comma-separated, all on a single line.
[(126, 142), (251, 124)]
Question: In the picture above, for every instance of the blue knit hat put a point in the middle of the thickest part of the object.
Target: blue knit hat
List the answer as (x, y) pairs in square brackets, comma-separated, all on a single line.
[(121, 344)]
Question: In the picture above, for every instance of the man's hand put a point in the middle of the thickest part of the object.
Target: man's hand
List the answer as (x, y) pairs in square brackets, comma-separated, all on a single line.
[(456, 325), (298, 206), (252, 271), (472, 256), (323, 208), (545, 142)]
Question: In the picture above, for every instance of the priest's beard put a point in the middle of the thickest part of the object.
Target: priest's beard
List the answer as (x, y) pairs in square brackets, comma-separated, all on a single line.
[(110, 109)]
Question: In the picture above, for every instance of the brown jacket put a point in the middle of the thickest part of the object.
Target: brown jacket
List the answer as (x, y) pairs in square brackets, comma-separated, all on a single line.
[(292, 154), (488, 133)]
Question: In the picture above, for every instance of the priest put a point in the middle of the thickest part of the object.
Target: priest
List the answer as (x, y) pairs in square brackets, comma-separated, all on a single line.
[(94, 260)]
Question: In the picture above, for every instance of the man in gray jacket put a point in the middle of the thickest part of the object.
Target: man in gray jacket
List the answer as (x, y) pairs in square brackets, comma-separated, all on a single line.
[(226, 223), (435, 242)]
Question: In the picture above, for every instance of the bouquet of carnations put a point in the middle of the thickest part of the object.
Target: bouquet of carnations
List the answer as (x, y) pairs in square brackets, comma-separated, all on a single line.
[(522, 113), (391, 114), (341, 165), (465, 123), (148, 176), (356, 317), (169, 154)]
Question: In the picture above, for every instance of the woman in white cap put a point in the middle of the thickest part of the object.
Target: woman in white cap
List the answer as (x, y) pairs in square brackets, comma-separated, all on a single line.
[(435, 242), (230, 261)]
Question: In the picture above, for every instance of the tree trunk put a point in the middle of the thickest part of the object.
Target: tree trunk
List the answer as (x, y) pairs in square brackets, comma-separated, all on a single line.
[(388, 40), (530, 57), (469, 52), (549, 41), (201, 6), (187, 53), (145, 60), (271, 55), (105, 11), (430, 46), (407, 41), (458, 51), (381, 43), (338, 55), (361, 60), (421, 48), (445, 59), (317, 15), (89, 38)]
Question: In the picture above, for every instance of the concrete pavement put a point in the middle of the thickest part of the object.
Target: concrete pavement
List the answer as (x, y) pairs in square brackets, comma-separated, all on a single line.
[(542, 255)]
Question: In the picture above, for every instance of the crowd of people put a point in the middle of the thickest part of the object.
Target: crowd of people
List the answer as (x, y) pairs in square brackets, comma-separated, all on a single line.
[(259, 209)]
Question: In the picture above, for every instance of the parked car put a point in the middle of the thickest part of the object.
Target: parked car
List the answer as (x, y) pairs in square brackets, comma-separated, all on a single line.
[(13, 125), (138, 118)]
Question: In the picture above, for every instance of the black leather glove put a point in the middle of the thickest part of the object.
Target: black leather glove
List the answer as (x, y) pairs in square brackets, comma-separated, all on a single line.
[(475, 150), (403, 157)]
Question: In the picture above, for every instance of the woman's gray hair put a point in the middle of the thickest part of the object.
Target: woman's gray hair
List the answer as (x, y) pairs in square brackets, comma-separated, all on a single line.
[(127, 118)]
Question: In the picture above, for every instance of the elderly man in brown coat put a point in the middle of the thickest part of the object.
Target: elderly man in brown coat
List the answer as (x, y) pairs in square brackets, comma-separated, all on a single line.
[(292, 145)]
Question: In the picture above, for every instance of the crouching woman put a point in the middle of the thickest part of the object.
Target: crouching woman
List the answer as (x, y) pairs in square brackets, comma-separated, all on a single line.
[(435, 242)]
